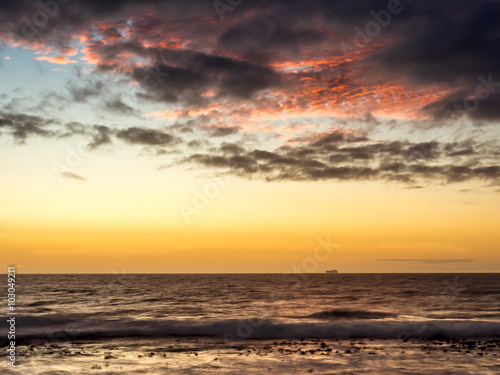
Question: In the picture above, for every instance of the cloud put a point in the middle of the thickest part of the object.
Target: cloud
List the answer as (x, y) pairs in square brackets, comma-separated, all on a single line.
[(454, 48), (277, 70), (198, 74), (428, 261), (117, 105), (68, 51), (143, 136), (188, 57), (224, 131), (22, 126), (60, 60), (347, 157), (340, 154), (463, 102), (80, 93), (101, 136), (73, 176), (264, 35), (231, 148)]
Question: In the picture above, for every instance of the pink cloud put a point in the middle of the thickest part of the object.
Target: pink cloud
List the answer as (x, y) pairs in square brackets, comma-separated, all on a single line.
[(61, 60)]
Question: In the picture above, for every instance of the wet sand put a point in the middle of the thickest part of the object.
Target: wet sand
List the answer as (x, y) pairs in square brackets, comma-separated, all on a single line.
[(212, 356)]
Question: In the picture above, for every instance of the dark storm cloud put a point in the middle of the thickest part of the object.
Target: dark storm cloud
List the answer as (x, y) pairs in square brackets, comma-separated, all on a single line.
[(198, 143), (224, 131), (82, 91), (189, 124), (458, 40), (143, 136), (58, 21), (176, 85), (198, 74), (259, 37), (339, 137), (460, 148), (21, 126), (73, 128), (117, 105), (464, 103), (334, 156), (100, 136), (238, 164), (231, 148), (184, 76), (339, 159), (448, 43), (457, 47)]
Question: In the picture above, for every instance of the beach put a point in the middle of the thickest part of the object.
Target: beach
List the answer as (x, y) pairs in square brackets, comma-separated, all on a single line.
[(211, 356), (257, 323)]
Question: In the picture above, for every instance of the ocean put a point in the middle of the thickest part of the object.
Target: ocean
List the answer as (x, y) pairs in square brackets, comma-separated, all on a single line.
[(256, 323)]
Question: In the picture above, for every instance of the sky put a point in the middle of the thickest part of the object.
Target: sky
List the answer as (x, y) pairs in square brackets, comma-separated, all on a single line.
[(250, 136)]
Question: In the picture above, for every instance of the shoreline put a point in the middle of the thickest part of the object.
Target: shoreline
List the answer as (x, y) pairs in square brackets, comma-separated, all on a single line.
[(213, 355)]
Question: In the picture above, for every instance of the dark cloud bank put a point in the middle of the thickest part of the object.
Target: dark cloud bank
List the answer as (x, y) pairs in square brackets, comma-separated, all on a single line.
[(450, 44), (333, 156), (337, 156)]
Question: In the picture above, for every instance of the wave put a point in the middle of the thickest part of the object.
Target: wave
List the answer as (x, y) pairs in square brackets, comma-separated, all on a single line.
[(76, 291), (48, 320), (350, 314), (41, 303), (454, 316), (348, 298), (70, 329), (43, 310), (482, 291), (153, 300), (409, 292)]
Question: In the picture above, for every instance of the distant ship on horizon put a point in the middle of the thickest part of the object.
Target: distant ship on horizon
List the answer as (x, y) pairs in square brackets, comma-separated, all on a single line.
[(332, 271)]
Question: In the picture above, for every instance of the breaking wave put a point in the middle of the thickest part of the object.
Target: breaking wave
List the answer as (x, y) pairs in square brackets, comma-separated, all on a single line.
[(350, 314), (68, 329)]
